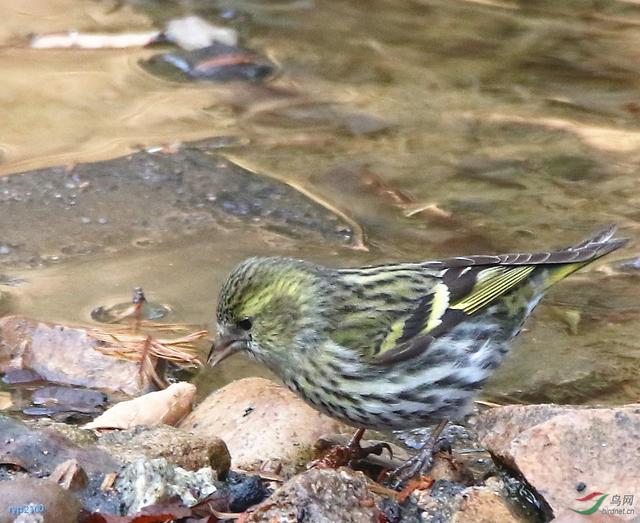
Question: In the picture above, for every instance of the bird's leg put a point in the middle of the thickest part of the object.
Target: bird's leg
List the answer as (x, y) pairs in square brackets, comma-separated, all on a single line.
[(421, 461), (359, 452), (350, 453)]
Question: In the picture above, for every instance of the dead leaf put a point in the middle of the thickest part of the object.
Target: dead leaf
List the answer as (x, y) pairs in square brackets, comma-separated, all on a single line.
[(166, 406)]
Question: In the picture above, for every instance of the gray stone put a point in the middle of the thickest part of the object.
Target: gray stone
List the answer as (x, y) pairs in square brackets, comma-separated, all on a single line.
[(320, 496), (144, 482)]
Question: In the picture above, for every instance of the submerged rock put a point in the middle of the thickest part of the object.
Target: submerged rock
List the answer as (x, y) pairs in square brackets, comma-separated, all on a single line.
[(161, 197), (567, 452), (65, 402), (218, 61), (261, 421)]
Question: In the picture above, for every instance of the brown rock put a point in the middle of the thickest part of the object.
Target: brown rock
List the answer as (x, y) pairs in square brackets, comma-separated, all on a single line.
[(260, 421), (65, 355), (321, 496), (555, 448), (483, 505), (37, 497), (188, 451)]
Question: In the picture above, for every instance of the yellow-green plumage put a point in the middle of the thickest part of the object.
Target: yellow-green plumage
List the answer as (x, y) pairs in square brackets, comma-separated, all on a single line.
[(390, 346)]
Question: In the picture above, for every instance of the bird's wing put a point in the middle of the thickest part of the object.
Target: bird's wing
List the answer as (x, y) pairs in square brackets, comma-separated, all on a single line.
[(437, 296)]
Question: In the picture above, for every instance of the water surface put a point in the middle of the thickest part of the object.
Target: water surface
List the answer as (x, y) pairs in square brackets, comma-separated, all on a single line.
[(512, 126)]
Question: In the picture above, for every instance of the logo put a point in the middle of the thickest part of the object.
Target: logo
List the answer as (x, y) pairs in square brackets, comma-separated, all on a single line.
[(601, 496), (620, 505)]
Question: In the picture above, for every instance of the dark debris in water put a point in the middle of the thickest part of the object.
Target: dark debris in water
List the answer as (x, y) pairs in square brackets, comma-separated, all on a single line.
[(218, 62)]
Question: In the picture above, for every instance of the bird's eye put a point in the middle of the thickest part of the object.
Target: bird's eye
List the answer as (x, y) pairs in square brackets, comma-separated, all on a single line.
[(245, 324)]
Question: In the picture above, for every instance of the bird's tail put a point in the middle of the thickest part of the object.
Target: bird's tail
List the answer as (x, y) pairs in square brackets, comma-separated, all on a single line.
[(566, 261)]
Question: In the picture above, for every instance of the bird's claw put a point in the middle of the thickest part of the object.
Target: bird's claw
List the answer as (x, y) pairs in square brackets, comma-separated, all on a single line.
[(377, 449), (421, 462)]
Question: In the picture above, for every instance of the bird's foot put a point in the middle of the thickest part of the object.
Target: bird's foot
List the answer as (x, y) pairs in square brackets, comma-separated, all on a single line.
[(421, 462), (350, 454)]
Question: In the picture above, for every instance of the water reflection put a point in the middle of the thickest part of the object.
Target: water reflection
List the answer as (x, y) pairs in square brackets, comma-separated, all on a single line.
[(504, 125)]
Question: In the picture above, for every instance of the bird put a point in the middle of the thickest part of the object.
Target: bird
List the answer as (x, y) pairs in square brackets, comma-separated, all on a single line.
[(391, 346)]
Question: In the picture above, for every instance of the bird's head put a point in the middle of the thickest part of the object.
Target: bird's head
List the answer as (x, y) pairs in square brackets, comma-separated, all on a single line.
[(266, 307)]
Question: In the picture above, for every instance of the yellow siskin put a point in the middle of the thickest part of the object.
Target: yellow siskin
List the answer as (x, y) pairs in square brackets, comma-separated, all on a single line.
[(390, 346)]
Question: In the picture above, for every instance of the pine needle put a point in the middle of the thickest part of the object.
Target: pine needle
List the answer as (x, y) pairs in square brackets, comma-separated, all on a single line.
[(133, 346)]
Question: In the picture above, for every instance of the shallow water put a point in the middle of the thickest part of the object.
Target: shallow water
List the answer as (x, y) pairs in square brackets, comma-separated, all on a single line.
[(514, 127)]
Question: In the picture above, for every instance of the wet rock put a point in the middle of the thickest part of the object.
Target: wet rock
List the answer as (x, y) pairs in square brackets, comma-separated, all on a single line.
[(19, 376), (245, 491), (556, 448), (261, 421), (185, 450), (219, 62), (166, 406), (64, 355), (37, 497), (320, 496), (40, 450), (146, 482), (54, 399), (309, 113)]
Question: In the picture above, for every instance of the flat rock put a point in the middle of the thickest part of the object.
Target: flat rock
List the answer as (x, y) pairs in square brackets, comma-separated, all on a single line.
[(37, 497), (320, 496), (63, 354), (261, 421), (557, 448)]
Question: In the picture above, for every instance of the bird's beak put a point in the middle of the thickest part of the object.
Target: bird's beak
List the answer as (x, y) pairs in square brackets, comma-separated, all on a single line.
[(223, 347)]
